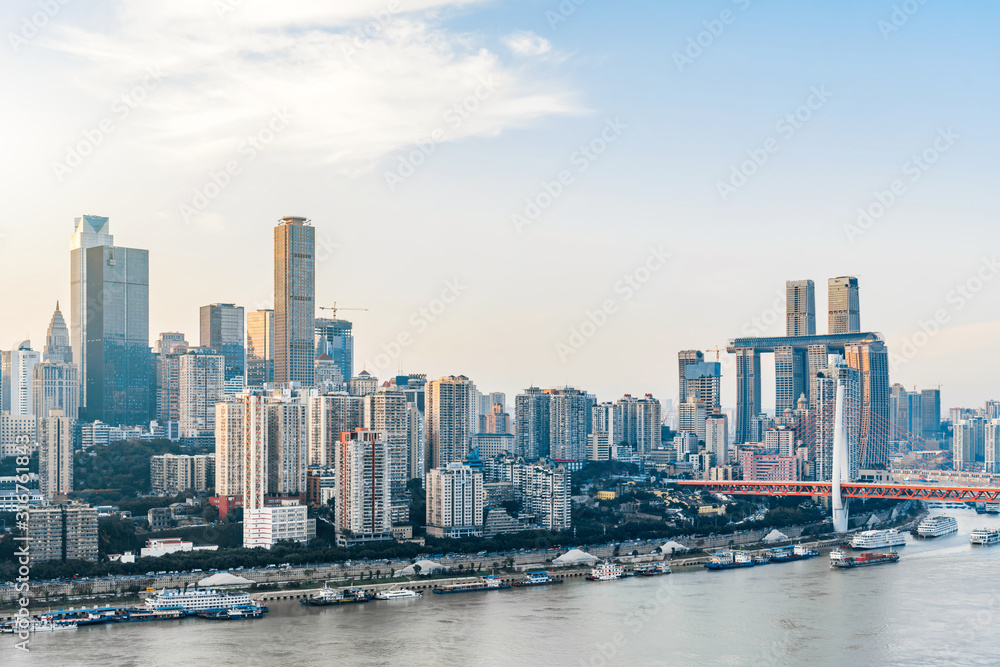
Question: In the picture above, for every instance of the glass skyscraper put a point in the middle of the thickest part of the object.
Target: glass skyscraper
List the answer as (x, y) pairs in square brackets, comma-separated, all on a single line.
[(294, 301), (222, 331), (260, 348), (335, 338)]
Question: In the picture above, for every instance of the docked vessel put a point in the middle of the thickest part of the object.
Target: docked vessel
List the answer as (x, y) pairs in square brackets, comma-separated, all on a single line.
[(140, 615), (791, 553), (232, 614), (838, 559), (727, 560), (193, 600), (606, 571), (484, 584), (653, 569), (537, 579), (398, 594), (987, 508), (878, 539), (37, 625), (326, 597), (984, 536), (936, 526)]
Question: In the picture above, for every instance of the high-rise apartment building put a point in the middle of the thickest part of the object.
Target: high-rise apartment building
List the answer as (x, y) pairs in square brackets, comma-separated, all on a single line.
[(260, 348), (845, 309), (686, 358), (531, 423), (170, 474), (200, 385), (386, 413), (641, 420), (450, 418), (717, 438), (18, 377), (287, 435), (55, 453), (363, 505), (221, 329), (335, 338), (605, 437), (454, 501), (55, 387), (62, 533), (544, 490), (294, 301), (330, 415), (800, 308), (838, 372), (168, 351), (90, 231), (363, 384), (568, 418), (117, 366), (229, 454)]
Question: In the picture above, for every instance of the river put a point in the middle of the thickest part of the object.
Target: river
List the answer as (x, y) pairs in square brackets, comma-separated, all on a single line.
[(940, 605)]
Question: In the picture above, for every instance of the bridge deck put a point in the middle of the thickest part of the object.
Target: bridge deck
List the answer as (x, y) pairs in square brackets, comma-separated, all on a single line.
[(980, 494)]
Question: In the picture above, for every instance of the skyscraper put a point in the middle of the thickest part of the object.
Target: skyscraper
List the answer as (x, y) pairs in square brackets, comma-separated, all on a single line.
[(450, 418), (294, 301), (871, 360), (800, 308), (686, 358), (531, 427), (838, 372), (363, 505), (260, 348), (57, 341), (844, 305), (55, 453), (117, 376), (930, 412), (335, 338), (568, 410), (386, 413), (329, 415), (200, 384), (19, 372), (222, 330), (454, 501), (91, 231)]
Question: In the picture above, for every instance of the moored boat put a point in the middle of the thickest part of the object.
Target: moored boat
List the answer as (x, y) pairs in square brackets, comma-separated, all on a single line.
[(606, 571), (936, 526), (653, 569), (192, 600), (536, 579), (838, 559), (984, 536), (326, 597), (483, 584), (397, 594), (791, 553), (727, 560), (141, 615), (232, 614)]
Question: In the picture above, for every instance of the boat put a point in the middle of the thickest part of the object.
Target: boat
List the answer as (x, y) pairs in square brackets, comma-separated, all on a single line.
[(536, 579), (606, 571), (987, 508), (43, 624), (727, 560), (140, 615), (878, 539), (94, 619), (326, 597), (192, 600), (483, 584), (936, 526), (232, 614), (838, 559), (398, 594), (984, 536), (653, 569), (762, 559), (791, 553)]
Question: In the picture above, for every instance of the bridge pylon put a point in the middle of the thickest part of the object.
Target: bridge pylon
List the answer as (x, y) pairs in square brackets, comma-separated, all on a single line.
[(841, 465)]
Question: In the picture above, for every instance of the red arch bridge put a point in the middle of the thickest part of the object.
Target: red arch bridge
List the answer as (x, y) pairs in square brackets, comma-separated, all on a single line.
[(978, 494)]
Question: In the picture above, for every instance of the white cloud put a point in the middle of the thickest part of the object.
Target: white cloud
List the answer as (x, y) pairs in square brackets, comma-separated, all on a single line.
[(527, 43), (362, 79)]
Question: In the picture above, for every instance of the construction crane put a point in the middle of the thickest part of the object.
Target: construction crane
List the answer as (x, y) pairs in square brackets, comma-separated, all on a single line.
[(715, 349), (335, 308)]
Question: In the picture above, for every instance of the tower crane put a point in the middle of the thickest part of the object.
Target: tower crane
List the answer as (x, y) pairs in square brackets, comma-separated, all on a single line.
[(334, 308)]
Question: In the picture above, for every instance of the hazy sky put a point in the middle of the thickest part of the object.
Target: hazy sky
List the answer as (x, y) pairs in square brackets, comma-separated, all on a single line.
[(662, 166)]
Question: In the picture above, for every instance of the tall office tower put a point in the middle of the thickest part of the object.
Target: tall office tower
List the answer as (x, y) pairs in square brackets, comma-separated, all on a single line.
[(604, 439), (386, 413), (260, 348), (294, 301), (717, 438), (363, 505), (498, 421), (568, 424), (531, 429), (686, 358), (55, 453), (871, 360), (57, 341), (450, 418), (287, 436), (18, 375), (330, 415), (704, 384), (222, 330), (454, 501), (200, 385), (416, 441), (335, 338), (992, 442), (930, 412), (229, 454), (790, 377), (90, 231), (800, 308), (117, 369), (845, 309), (838, 372), (748, 395), (899, 407), (55, 386)]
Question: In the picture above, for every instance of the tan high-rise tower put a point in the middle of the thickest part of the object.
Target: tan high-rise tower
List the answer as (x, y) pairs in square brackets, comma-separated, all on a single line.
[(294, 301)]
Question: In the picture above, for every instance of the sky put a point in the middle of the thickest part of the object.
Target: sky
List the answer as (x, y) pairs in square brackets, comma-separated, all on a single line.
[(526, 192)]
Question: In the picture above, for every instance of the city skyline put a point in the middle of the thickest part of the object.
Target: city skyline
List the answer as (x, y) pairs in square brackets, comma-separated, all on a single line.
[(447, 228)]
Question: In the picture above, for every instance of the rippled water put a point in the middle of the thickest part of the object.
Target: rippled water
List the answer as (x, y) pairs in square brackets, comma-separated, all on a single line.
[(939, 605)]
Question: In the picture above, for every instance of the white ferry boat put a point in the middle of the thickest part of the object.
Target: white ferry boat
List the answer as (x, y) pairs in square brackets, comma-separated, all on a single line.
[(606, 571), (397, 594), (878, 539), (194, 600), (936, 526), (984, 536)]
